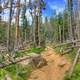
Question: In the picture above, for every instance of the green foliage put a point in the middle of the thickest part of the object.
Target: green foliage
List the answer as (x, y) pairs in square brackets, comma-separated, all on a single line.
[(2, 73), (75, 75), (72, 54), (16, 72), (36, 50), (11, 69), (58, 49), (19, 54), (29, 52)]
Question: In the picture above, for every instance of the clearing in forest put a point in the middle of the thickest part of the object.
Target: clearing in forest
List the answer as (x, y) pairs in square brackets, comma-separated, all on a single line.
[(56, 68)]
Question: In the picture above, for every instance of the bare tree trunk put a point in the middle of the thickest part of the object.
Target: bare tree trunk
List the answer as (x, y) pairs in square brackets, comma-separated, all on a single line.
[(70, 28), (9, 28), (0, 10), (78, 22), (17, 23), (74, 63), (34, 26), (37, 26), (70, 5), (60, 34), (78, 19), (39, 21), (25, 35), (63, 29), (33, 29), (36, 31)]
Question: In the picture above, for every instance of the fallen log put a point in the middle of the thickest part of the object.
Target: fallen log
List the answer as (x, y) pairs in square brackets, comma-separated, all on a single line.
[(74, 63), (70, 49), (66, 43), (77, 46), (20, 60), (36, 60), (66, 51)]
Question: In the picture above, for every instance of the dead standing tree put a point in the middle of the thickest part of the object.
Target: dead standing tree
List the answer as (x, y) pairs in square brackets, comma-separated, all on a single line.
[(78, 20), (78, 35), (17, 24), (9, 28), (74, 63), (37, 7), (70, 6), (0, 10)]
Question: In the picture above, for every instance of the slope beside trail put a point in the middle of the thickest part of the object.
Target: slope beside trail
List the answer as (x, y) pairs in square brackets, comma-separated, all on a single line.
[(55, 69)]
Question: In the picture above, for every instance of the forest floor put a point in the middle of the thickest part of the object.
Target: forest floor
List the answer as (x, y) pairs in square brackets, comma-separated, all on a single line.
[(56, 68)]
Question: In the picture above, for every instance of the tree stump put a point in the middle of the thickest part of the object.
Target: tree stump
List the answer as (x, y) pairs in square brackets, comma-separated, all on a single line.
[(38, 61)]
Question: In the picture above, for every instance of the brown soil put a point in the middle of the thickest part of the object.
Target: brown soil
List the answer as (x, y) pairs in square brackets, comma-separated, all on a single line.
[(55, 70)]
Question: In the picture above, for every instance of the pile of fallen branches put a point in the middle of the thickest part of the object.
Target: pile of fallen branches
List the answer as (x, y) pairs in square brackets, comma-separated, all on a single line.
[(36, 61)]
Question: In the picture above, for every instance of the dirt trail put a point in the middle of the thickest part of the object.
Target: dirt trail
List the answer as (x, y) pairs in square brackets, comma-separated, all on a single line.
[(55, 70)]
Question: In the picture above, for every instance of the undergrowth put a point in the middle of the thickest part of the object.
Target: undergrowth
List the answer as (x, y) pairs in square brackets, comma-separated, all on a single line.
[(71, 55), (16, 72), (29, 52), (75, 75)]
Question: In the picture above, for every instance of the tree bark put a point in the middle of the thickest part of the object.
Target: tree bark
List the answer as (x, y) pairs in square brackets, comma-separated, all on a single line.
[(17, 24), (70, 8), (9, 28), (74, 63)]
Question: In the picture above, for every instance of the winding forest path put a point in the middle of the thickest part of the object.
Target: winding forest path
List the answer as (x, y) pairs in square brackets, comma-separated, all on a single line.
[(55, 70)]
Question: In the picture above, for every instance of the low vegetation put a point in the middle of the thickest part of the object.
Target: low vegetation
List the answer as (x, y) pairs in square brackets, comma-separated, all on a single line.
[(31, 51), (71, 56), (15, 72), (75, 75)]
